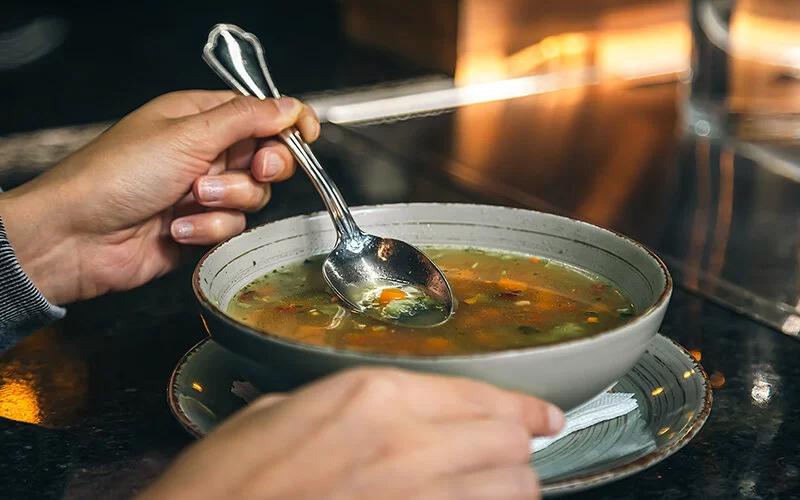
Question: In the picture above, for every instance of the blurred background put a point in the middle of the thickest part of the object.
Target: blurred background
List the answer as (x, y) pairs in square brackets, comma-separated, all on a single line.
[(672, 121)]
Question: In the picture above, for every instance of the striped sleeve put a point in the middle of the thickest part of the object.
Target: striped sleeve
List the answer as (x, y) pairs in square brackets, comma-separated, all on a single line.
[(23, 309)]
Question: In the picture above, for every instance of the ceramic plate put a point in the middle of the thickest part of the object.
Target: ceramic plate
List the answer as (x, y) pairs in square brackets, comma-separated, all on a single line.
[(673, 392)]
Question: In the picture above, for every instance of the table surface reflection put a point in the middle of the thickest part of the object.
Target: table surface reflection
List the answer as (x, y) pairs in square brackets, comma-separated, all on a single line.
[(722, 213)]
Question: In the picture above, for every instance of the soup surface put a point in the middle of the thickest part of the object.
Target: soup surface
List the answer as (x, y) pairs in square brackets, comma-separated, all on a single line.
[(505, 301)]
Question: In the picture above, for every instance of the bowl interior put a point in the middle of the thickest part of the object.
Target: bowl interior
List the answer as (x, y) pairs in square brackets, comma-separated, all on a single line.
[(238, 261)]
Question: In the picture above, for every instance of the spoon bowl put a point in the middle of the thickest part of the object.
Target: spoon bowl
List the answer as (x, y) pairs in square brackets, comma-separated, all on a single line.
[(361, 265)]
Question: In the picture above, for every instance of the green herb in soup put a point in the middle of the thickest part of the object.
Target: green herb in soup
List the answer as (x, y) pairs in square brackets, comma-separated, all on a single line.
[(505, 301)]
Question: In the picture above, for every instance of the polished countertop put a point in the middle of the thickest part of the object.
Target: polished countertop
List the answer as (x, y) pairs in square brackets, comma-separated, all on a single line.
[(722, 212), (84, 401)]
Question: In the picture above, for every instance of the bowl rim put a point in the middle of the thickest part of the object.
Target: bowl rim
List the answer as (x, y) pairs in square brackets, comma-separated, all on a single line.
[(262, 335)]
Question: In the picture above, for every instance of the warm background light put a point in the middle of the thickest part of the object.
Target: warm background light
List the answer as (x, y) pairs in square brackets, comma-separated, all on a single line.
[(621, 39)]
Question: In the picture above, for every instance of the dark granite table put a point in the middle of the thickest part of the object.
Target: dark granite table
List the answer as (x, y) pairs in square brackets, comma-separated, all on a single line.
[(85, 405)]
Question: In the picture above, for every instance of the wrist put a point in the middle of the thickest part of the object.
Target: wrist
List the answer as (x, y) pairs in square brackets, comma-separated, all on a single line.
[(47, 255)]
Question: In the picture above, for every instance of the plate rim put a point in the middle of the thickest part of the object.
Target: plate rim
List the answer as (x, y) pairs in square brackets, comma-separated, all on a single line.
[(172, 398), (659, 454), (572, 485)]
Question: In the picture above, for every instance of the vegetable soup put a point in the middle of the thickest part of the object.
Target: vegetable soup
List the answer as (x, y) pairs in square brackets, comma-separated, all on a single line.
[(505, 301)]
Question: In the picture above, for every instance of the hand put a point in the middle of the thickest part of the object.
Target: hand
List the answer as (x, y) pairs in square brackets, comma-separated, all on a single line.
[(182, 169), (366, 434)]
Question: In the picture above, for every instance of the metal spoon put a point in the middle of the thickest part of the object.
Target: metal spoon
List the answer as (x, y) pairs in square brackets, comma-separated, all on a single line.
[(361, 263)]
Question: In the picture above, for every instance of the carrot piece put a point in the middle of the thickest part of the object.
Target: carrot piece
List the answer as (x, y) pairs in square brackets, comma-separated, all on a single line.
[(535, 260), (545, 300), (512, 285), (355, 339), (437, 342), (460, 274), (310, 334), (483, 338), (479, 317), (390, 294), (591, 319)]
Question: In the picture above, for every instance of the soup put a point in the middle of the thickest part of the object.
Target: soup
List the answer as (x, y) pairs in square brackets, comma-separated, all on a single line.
[(505, 301)]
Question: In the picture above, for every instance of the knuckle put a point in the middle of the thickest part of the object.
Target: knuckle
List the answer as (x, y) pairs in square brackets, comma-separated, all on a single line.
[(376, 385), (216, 227), (267, 401), (169, 96), (374, 388), (258, 197), (221, 226), (243, 106)]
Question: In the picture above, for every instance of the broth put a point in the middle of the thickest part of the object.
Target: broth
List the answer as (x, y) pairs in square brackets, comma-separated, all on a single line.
[(505, 301)]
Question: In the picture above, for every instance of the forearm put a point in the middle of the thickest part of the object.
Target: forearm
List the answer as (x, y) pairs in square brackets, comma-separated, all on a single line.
[(31, 221)]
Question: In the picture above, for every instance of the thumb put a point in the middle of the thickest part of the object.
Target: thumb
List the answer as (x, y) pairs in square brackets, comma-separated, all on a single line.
[(211, 132)]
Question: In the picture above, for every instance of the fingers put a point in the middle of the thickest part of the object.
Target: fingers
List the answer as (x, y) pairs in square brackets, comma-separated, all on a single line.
[(430, 456), (456, 398), (440, 398), (236, 190), (272, 162), (462, 446), (239, 156), (207, 228), (504, 483), (210, 133), (308, 124)]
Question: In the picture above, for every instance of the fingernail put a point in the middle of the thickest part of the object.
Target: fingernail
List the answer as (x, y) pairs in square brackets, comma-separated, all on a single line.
[(555, 419), (273, 165), (211, 190), (288, 106), (182, 230)]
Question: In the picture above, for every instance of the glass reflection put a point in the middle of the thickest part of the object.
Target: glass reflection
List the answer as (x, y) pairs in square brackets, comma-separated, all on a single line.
[(761, 392)]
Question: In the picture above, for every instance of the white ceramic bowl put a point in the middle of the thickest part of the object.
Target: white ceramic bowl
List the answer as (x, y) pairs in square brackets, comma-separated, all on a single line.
[(566, 374)]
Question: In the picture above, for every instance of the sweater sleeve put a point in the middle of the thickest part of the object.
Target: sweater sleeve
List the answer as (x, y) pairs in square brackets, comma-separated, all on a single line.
[(23, 309)]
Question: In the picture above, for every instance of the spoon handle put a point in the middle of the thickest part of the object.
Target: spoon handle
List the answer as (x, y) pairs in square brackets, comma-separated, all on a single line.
[(238, 58)]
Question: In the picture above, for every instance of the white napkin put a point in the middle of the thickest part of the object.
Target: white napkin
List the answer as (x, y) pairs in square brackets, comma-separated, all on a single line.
[(607, 406)]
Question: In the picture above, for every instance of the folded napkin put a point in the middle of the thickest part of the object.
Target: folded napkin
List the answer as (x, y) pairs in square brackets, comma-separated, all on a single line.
[(607, 406)]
